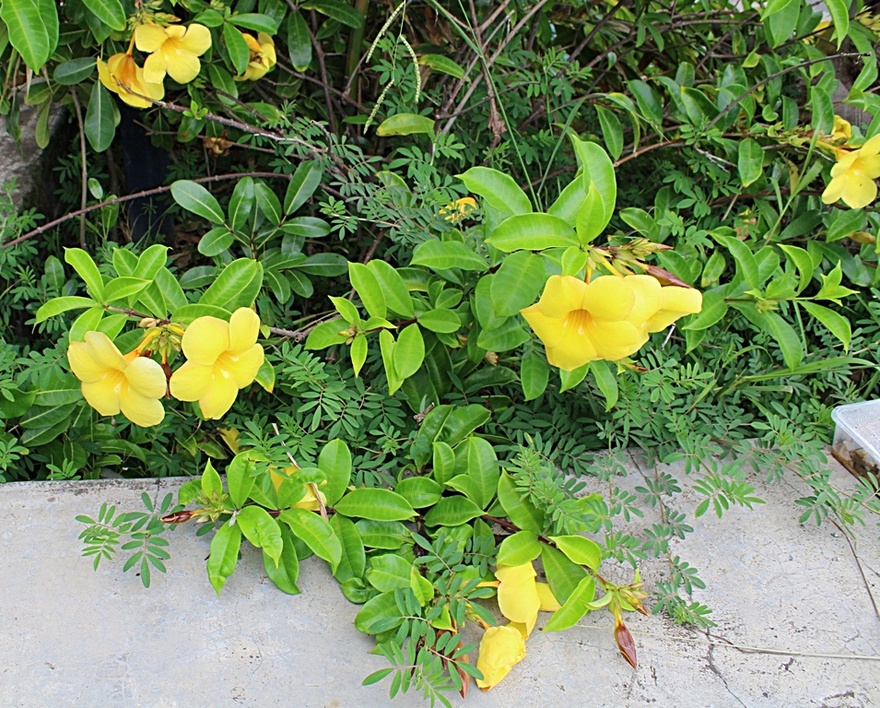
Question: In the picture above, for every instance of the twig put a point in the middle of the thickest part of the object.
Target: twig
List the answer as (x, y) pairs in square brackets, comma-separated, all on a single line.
[(83, 168), (129, 197)]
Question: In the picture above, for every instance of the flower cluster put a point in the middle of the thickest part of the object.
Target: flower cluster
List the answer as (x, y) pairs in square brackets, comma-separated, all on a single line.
[(222, 358), (520, 598), (173, 50), (608, 318)]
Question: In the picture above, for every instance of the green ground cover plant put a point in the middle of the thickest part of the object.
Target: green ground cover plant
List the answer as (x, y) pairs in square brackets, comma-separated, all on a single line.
[(433, 268)]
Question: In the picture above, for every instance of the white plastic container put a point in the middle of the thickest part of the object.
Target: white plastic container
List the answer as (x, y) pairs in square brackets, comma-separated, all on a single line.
[(857, 437)]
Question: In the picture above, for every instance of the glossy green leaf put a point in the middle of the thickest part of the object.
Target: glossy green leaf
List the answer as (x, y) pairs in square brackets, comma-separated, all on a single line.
[(388, 572), (580, 549), (224, 555), (261, 530), (409, 353), (534, 374), (353, 559), (420, 492), (110, 12), (374, 504), (498, 189), (519, 548), (836, 323), (315, 532), (195, 198), (533, 232), (517, 283), (520, 511), (406, 124), (612, 131), (303, 184), (237, 285), (750, 161), (442, 255), (444, 321), (239, 54), (74, 71), (58, 305), (337, 10), (100, 120), (299, 42), (28, 24), (335, 462), (563, 574), (606, 381), (397, 296), (452, 511), (574, 608), (286, 573), (86, 269)]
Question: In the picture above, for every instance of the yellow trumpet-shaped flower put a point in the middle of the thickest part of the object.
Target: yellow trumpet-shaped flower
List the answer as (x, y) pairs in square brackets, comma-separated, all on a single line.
[(520, 597), (122, 76), (841, 132), (501, 649), (173, 50), (113, 383), (222, 357), (852, 178), (607, 318), (262, 59)]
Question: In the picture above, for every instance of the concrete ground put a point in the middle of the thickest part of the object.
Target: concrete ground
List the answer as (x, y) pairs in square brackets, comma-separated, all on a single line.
[(796, 607)]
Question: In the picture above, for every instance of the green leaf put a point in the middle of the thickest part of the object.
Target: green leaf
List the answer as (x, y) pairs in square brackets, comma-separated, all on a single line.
[(482, 468), (420, 492), (409, 353), (612, 131), (452, 511), (239, 478), (212, 487), (580, 549), (261, 530), (224, 555), (390, 535), (239, 54), (241, 205), (216, 241), (574, 608), (268, 202), (750, 161), (378, 614), (440, 63), (443, 460), (86, 269), (520, 511), (374, 504), (388, 572), (406, 124), (563, 574), (498, 189), (517, 283), (306, 227), (255, 21), (569, 202), (746, 265), (28, 30), (299, 42), (606, 381), (397, 296), (315, 532), (337, 10), (123, 287), (327, 334), (74, 71), (533, 232), (57, 305), (534, 374), (519, 548), (237, 285), (335, 462), (442, 255), (650, 105), (195, 198), (353, 559), (598, 170), (836, 323), (440, 320), (367, 285), (286, 573), (100, 121), (592, 217), (302, 185), (109, 12)]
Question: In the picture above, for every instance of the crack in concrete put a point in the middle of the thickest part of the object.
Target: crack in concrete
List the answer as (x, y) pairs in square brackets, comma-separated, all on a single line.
[(711, 661)]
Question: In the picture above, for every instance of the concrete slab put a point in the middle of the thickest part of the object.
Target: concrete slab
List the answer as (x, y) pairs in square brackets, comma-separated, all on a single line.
[(797, 624)]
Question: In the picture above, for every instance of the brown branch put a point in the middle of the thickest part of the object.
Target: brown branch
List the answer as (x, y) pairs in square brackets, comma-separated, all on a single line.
[(129, 197), (83, 168)]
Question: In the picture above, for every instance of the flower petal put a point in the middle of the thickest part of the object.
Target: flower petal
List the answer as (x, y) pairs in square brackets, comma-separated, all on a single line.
[(615, 340), (648, 297), (501, 648), (146, 377), (104, 351), (571, 351), (244, 367), (859, 193), (219, 397), (191, 381), (144, 411), (561, 295), (196, 40), (103, 395), (244, 328), (677, 302), (609, 298), (84, 367), (205, 340), (149, 37), (182, 66), (833, 190), (154, 68), (549, 603)]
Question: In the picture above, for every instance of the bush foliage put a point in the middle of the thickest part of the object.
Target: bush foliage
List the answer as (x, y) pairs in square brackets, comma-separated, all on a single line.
[(388, 188)]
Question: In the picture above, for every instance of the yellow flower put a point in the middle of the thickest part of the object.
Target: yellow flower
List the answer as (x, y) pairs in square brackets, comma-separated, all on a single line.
[(222, 357), (112, 382), (262, 58), (852, 178), (459, 209), (518, 597), (842, 130), (122, 76), (174, 50), (501, 649), (608, 318)]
